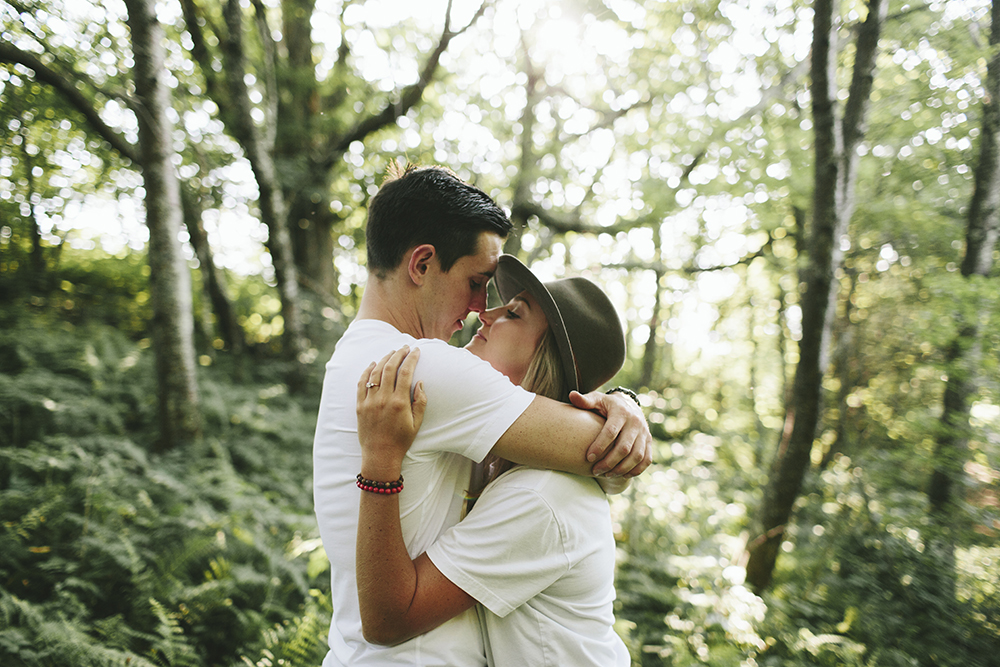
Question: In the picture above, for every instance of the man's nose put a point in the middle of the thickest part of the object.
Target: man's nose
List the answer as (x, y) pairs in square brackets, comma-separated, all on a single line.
[(478, 303)]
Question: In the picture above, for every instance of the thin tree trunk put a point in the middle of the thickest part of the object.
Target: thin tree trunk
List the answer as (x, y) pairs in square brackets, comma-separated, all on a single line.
[(842, 365), (980, 241), (271, 201), (311, 221), (213, 280), (37, 250), (520, 207), (170, 280), (833, 205), (650, 353)]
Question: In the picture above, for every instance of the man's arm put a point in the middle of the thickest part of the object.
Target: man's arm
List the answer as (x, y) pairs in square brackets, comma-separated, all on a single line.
[(557, 436)]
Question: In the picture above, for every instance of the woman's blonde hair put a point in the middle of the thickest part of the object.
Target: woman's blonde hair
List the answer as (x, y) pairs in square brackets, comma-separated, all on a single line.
[(543, 377)]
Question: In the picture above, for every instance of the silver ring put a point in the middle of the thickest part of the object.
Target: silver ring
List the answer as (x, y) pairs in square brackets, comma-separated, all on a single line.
[(371, 384)]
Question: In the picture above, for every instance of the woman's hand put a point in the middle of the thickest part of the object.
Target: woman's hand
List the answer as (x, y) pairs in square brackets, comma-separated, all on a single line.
[(388, 418)]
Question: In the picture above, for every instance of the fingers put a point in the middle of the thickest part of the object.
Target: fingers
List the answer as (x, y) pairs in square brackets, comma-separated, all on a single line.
[(639, 457), (614, 414), (582, 401), (392, 373), (408, 364), (386, 370), (419, 404), (609, 448), (363, 381), (624, 447)]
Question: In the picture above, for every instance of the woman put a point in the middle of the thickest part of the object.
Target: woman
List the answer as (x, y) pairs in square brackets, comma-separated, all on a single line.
[(537, 550)]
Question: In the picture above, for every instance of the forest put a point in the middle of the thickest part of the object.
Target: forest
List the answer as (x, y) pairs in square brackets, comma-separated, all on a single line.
[(794, 204)]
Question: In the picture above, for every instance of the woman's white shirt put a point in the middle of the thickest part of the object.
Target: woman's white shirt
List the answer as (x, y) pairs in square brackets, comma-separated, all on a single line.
[(538, 552)]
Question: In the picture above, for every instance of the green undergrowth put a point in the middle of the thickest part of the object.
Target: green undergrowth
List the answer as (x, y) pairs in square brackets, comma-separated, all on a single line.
[(111, 555)]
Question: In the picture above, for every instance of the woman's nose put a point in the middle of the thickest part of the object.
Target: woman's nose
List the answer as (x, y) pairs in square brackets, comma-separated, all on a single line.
[(487, 317)]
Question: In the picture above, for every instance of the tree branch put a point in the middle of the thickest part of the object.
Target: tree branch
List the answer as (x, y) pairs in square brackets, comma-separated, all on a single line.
[(214, 85), (269, 73), (408, 98), (11, 54), (691, 269)]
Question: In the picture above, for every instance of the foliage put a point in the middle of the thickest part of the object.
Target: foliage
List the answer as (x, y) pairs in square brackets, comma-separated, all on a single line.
[(663, 149), (109, 555)]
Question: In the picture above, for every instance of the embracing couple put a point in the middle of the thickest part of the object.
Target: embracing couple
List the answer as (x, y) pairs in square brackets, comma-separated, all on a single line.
[(413, 432)]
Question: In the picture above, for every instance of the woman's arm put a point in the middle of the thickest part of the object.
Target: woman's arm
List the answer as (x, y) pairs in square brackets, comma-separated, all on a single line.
[(399, 598)]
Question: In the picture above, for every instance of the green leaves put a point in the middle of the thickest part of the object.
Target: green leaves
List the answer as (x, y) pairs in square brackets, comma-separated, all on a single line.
[(111, 556)]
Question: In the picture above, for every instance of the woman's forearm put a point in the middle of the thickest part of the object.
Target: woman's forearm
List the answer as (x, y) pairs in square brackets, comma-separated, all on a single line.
[(399, 598), (385, 573)]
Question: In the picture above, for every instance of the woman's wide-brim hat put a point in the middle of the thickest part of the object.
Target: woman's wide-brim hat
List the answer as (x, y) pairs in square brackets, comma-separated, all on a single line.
[(587, 328)]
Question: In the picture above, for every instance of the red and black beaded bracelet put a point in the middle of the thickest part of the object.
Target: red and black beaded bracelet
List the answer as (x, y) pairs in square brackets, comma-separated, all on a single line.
[(380, 487)]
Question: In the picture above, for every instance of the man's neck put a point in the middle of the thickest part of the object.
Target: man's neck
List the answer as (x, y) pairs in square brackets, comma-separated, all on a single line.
[(386, 301)]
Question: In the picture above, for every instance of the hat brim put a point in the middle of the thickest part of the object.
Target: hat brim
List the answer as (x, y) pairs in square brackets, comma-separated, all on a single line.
[(511, 278)]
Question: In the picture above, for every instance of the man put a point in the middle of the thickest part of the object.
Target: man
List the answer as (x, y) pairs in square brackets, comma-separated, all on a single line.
[(433, 244)]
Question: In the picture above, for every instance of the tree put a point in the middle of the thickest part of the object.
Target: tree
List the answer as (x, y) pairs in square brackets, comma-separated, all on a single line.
[(258, 145), (836, 142), (170, 281), (307, 121), (983, 228)]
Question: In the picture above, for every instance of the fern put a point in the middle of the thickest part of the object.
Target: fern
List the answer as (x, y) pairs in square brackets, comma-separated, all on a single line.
[(110, 555)]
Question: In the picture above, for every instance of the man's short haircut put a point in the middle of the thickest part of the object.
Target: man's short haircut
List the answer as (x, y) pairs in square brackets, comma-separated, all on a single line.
[(418, 205)]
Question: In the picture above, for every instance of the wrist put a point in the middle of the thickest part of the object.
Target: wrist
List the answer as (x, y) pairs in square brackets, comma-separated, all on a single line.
[(381, 469), (627, 392)]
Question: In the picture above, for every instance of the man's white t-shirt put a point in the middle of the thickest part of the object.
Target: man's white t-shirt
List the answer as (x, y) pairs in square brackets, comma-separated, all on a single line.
[(538, 552), (470, 405)]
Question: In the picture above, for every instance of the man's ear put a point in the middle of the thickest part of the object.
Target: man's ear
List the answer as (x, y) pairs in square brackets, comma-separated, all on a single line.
[(420, 262)]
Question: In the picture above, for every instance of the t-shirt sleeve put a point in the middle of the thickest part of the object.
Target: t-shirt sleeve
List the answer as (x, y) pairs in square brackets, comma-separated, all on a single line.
[(469, 403), (508, 550)]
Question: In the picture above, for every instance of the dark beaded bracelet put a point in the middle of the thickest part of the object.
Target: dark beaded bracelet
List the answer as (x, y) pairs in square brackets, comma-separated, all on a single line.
[(380, 487), (628, 392)]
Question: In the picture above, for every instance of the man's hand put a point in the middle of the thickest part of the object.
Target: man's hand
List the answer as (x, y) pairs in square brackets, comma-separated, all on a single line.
[(388, 420), (624, 447)]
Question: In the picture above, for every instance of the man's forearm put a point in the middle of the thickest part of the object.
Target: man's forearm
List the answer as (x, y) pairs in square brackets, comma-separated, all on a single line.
[(551, 435), (557, 436)]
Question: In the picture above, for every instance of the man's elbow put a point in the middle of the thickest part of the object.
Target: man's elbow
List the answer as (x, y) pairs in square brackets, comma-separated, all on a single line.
[(384, 633)]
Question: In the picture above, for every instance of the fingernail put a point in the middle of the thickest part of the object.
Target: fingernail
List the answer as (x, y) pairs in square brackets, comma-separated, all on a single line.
[(591, 457)]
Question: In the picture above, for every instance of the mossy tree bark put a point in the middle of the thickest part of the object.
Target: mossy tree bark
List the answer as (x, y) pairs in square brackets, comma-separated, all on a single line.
[(836, 158), (951, 447), (170, 280)]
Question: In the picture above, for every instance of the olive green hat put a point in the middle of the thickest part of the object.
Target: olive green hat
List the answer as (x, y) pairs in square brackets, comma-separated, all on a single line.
[(586, 325)]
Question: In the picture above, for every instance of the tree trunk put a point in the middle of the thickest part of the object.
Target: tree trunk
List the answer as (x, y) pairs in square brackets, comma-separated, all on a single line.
[(521, 206), (271, 201), (170, 279), (842, 365), (38, 278), (650, 351), (310, 220), (213, 280), (833, 205), (980, 240)]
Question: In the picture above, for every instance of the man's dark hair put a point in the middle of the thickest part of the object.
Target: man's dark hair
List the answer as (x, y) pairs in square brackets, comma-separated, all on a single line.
[(428, 205)]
